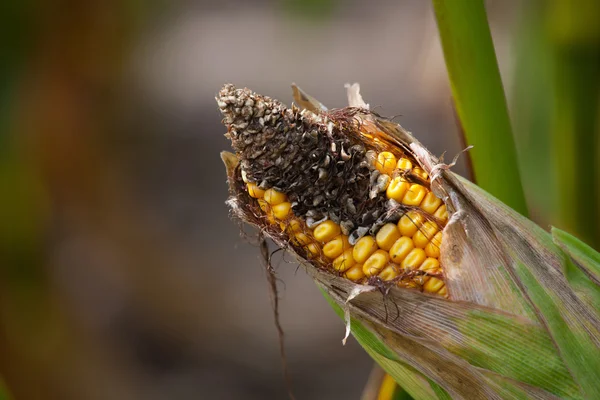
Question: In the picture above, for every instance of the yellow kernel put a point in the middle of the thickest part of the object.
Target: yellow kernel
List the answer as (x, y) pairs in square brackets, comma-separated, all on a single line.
[(255, 191), (433, 285), (430, 203), (401, 248), (404, 164), (414, 259), (441, 213), (437, 239), (355, 273), (365, 246), (273, 197), (389, 272), (302, 239), (313, 248), (410, 223), (376, 262), (433, 247), (264, 205), (420, 172), (387, 236), (414, 195), (282, 210), (336, 246), (425, 234), (397, 188), (430, 265), (344, 261), (443, 291), (326, 231), (386, 162)]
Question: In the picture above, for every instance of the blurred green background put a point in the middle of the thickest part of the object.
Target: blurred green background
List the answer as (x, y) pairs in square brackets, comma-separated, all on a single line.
[(121, 275)]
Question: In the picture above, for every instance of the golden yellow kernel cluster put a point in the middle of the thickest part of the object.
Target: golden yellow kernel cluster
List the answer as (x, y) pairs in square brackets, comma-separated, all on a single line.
[(412, 244)]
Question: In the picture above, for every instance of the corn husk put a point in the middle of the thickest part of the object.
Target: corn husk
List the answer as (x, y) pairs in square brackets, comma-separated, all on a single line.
[(522, 319)]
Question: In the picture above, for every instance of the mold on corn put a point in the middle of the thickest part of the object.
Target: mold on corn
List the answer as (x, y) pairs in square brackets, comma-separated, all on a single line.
[(354, 206)]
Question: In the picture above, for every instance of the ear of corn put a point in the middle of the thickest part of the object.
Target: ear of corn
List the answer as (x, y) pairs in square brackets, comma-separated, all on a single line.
[(521, 318)]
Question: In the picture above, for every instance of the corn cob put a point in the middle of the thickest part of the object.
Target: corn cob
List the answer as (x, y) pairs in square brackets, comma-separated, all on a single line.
[(387, 228)]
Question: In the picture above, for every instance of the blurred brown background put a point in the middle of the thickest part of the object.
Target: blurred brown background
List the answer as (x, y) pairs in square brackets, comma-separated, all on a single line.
[(122, 276)]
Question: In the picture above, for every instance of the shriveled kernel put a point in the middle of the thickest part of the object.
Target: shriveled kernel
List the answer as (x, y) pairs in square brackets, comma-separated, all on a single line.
[(365, 246), (302, 239), (376, 262), (355, 273), (294, 225), (313, 249), (420, 172), (433, 285), (386, 162), (326, 231), (344, 261), (336, 246), (389, 272), (433, 247), (282, 210), (425, 234), (441, 213), (414, 195), (414, 259), (255, 191), (273, 197), (387, 236), (430, 203), (410, 223), (264, 205), (430, 265), (244, 177), (401, 248), (404, 164), (397, 189)]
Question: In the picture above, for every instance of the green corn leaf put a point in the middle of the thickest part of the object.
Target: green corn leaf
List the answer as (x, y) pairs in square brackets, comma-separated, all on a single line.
[(479, 97)]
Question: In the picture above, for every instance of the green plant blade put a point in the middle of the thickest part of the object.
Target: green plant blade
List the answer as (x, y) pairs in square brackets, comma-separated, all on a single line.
[(479, 97), (574, 36)]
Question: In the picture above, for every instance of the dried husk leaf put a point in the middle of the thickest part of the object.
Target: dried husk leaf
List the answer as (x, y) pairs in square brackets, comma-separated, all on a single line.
[(522, 318)]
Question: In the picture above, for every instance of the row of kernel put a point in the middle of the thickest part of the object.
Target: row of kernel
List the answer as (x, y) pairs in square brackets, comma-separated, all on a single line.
[(404, 192), (277, 208), (388, 253)]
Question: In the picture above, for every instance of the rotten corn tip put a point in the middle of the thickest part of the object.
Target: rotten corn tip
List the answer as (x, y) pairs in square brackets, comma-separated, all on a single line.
[(339, 193)]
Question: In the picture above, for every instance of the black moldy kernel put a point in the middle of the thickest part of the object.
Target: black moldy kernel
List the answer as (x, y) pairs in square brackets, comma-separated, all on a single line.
[(320, 162)]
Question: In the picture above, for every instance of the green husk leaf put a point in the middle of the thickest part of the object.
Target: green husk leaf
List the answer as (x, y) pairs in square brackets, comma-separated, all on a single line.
[(539, 267), (504, 345), (583, 255), (415, 383)]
